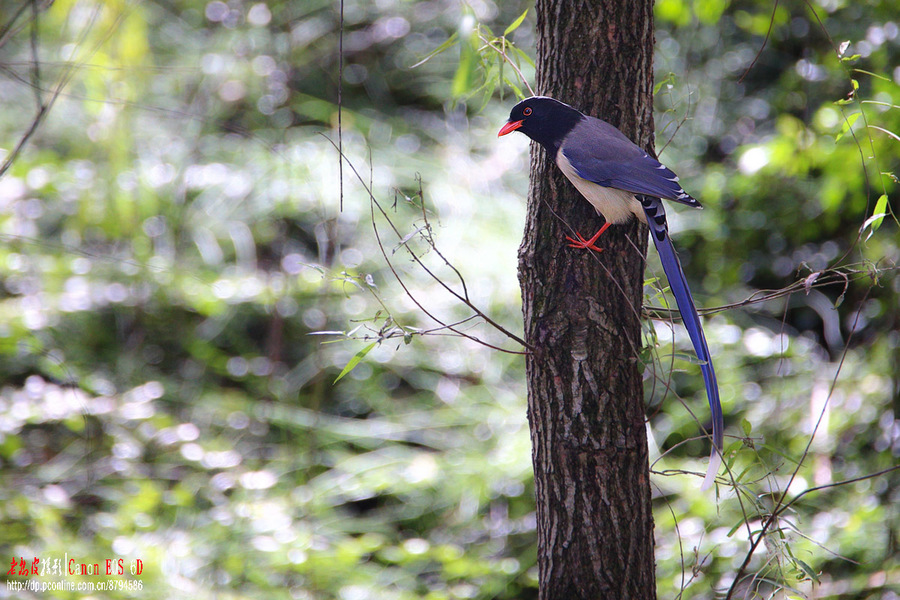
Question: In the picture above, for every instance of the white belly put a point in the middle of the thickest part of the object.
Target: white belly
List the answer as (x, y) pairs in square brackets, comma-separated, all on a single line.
[(616, 206)]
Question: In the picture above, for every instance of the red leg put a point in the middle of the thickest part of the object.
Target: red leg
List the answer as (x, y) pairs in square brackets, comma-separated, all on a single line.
[(588, 244)]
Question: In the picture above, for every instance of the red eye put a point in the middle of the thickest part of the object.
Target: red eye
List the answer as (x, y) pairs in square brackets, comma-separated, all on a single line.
[(526, 111)]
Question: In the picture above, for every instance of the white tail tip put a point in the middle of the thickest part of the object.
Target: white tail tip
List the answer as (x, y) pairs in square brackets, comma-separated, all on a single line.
[(715, 461)]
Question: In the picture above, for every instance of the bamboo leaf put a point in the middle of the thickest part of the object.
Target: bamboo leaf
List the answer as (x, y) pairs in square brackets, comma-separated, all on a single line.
[(462, 79), (877, 217), (443, 47), (848, 124), (514, 87), (515, 24), (808, 570), (355, 361), (521, 54)]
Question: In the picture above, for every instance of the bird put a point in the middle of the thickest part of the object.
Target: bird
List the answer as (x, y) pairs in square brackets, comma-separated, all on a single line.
[(622, 181)]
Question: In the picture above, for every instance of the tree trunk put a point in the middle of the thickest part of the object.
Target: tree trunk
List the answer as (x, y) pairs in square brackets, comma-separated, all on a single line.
[(582, 316)]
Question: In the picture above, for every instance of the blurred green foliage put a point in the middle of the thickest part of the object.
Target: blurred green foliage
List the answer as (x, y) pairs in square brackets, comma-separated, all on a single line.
[(172, 237)]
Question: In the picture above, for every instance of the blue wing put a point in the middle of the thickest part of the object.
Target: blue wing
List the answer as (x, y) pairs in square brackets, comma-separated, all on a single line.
[(656, 218), (619, 163)]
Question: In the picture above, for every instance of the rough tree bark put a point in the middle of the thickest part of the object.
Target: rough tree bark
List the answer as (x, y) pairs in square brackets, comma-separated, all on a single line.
[(581, 309)]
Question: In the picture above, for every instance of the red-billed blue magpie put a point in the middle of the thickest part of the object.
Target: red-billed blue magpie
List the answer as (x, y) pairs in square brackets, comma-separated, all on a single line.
[(620, 179)]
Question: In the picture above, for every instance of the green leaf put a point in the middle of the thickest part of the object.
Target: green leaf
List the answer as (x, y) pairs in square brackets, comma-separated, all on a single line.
[(522, 54), (514, 87), (877, 217), (780, 452), (746, 426), (734, 528), (840, 299), (443, 47), (515, 24), (688, 358), (462, 79), (848, 124), (668, 80), (740, 476), (808, 570), (502, 64), (355, 361)]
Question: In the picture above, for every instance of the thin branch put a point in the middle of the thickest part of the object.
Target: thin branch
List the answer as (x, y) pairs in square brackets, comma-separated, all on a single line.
[(45, 106), (11, 29), (781, 506), (36, 67), (340, 99), (862, 157), (761, 48), (502, 52), (831, 276), (373, 204), (437, 279), (430, 239)]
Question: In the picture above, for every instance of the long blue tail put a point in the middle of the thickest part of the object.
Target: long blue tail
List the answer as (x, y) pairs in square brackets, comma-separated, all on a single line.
[(656, 219)]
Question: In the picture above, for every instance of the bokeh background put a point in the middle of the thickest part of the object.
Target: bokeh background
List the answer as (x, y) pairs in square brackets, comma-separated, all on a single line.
[(184, 274)]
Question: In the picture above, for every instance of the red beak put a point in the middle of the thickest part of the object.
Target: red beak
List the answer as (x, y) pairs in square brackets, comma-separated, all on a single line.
[(509, 127)]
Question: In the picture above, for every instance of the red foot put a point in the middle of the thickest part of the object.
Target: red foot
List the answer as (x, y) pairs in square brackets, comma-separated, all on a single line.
[(587, 244)]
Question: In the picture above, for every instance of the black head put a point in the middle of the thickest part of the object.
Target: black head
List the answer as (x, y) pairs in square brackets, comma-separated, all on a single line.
[(545, 120)]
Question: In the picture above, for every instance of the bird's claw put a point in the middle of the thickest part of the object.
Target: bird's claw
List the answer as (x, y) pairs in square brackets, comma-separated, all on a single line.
[(582, 243)]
